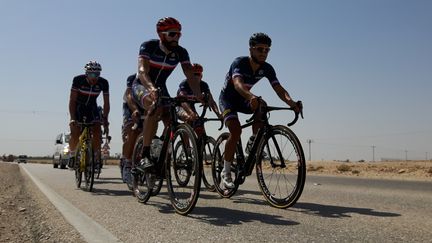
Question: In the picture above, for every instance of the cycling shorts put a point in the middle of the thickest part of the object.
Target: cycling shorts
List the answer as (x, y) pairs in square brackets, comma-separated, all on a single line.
[(230, 107), (90, 112)]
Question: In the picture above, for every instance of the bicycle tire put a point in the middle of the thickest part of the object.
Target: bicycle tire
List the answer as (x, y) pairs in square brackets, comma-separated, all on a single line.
[(89, 171), (78, 172), (207, 156), (99, 170), (140, 187), (181, 172), (218, 164), (281, 142), (184, 198)]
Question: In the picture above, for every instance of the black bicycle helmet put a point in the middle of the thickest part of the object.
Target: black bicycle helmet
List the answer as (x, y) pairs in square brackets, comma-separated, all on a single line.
[(259, 38)]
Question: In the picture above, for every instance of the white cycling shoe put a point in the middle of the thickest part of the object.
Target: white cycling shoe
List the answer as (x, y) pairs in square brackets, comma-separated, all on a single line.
[(227, 180)]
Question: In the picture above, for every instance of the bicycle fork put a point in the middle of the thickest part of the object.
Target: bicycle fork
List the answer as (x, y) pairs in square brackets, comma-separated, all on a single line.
[(83, 150)]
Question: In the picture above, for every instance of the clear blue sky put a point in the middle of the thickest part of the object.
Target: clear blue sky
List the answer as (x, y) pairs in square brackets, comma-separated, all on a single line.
[(362, 68)]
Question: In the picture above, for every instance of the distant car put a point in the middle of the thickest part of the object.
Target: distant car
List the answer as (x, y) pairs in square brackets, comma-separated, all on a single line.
[(61, 151), (22, 159)]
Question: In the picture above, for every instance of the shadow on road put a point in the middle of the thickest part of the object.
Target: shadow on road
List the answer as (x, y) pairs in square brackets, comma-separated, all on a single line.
[(111, 192), (330, 211), (225, 216)]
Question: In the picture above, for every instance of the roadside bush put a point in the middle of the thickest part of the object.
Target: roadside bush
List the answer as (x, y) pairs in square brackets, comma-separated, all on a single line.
[(312, 168), (343, 168)]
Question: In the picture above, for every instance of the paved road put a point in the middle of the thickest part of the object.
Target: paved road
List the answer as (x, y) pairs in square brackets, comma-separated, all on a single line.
[(331, 209)]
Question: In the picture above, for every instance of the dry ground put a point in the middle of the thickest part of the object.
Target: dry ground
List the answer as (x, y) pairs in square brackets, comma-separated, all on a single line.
[(409, 170), (26, 215)]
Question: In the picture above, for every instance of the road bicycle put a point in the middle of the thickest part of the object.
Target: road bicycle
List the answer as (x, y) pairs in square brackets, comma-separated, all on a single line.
[(206, 146), (277, 155), (183, 194), (85, 163)]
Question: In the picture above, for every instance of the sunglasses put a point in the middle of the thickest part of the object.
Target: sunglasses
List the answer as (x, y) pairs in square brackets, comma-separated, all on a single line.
[(93, 75), (172, 34), (262, 49)]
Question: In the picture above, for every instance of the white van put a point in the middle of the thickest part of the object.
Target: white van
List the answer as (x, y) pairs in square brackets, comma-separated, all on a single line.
[(61, 151)]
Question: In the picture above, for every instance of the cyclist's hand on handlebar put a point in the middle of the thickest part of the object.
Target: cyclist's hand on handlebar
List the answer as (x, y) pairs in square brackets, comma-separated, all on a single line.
[(106, 126), (254, 103), (136, 116), (106, 130), (73, 122), (296, 106), (153, 94)]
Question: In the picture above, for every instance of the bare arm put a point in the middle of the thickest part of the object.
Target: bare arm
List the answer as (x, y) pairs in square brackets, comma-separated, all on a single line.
[(143, 73), (284, 96), (213, 104), (129, 100), (72, 104), (241, 88), (106, 107)]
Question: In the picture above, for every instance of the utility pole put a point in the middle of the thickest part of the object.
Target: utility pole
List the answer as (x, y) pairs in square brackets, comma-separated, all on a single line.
[(426, 156), (406, 155), (373, 153), (309, 141)]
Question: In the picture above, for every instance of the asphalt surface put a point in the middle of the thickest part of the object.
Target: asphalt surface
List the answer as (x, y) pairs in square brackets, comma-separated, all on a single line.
[(331, 209)]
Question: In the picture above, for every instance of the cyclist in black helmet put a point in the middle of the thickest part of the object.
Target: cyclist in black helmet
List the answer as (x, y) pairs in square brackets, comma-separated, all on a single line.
[(236, 96), (82, 103)]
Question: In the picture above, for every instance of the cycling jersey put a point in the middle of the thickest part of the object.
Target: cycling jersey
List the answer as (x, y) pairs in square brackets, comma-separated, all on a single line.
[(184, 89), (87, 94), (127, 112), (230, 101), (161, 64), (129, 83), (87, 97)]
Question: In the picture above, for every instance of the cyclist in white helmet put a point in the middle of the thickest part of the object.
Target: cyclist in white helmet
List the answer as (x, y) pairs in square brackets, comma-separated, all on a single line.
[(83, 103)]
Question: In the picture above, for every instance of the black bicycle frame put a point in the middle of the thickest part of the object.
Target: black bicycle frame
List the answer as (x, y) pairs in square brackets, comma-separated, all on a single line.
[(246, 167)]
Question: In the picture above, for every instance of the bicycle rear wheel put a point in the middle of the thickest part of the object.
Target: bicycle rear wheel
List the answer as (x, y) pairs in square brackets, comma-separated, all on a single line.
[(207, 156), (218, 165), (89, 171), (281, 167), (183, 190), (78, 172), (98, 167)]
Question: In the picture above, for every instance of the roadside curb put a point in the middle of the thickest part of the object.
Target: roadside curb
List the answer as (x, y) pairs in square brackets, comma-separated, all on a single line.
[(90, 230)]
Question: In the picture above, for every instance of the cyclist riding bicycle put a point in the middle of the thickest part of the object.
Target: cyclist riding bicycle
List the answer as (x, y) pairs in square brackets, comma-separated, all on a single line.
[(131, 116), (235, 95), (188, 112), (157, 59), (83, 103)]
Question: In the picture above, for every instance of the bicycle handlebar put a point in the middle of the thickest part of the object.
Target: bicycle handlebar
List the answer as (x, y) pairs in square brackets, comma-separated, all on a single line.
[(267, 109)]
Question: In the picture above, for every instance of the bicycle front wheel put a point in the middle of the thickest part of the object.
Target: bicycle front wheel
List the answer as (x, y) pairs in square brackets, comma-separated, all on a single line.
[(89, 171), (281, 167), (183, 170), (80, 155)]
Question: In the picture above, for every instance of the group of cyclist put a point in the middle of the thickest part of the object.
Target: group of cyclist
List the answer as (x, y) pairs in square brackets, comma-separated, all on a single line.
[(156, 61)]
